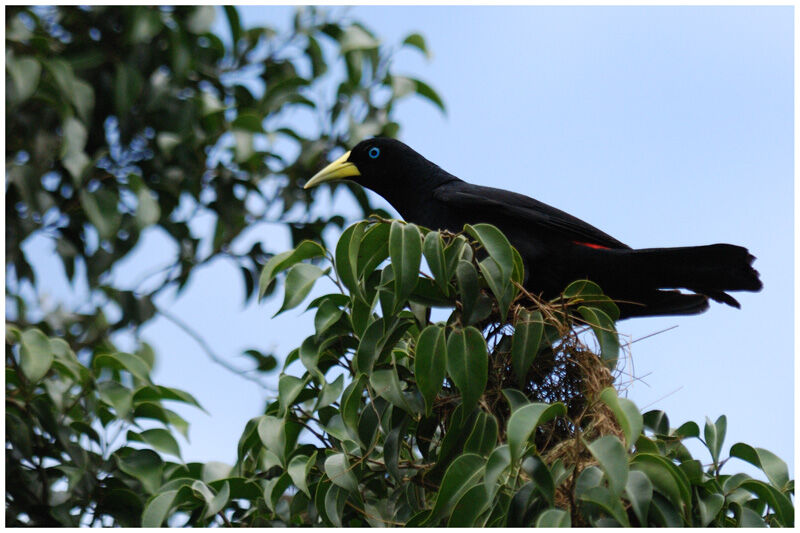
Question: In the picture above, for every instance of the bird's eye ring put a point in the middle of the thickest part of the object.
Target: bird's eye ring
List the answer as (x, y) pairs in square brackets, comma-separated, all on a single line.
[(374, 152)]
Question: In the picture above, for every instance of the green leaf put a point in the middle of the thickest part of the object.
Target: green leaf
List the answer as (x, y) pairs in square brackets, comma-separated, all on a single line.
[(709, 507), (590, 294), (335, 499), (665, 477), (101, 209), (369, 347), (714, 436), (282, 261), (249, 121), (123, 361), (219, 500), (356, 38), (127, 88), (467, 512), (433, 249), (608, 502), (373, 249), (427, 92), (430, 361), (299, 282), (542, 477), (687, 429), (289, 388), (657, 421), (162, 440), (233, 23), (639, 491), (750, 518), (147, 209), (780, 503), (117, 396), (467, 365), (773, 466), (36, 355), (498, 462), (613, 460), (272, 432), (503, 291), (606, 334), (274, 488), (496, 245), (405, 251), (330, 392), (417, 41), (387, 385), (626, 412), (201, 19), (483, 438), (299, 468), (525, 343), (524, 421), (144, 465), (553, 518), (474, 305), (462, 474), (157, 508), (346, 258), (515, 399), (24, 73), (338, 470)]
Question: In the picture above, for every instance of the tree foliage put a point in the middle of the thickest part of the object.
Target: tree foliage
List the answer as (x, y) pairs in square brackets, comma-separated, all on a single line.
[(433, 390)]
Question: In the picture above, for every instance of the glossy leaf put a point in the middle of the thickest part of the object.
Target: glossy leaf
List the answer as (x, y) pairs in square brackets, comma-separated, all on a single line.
[(497, 463), (280, 262), (496, 245), (405, 251), (665, 477), (626, 412), (714, 433), (639, 492), (338, 470), (773, 466), (462, 474), (36, 355), (525, 343), (612, 458), (470, 507), (430, 362), (553, 518), (524, 421), (483, 437), (433, 249), (606, 334), (299, 282), (157, 509), (608, 502), (467, 365)]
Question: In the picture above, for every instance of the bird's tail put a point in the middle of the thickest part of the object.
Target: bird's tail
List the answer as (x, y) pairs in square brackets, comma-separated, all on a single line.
[(709, 270)]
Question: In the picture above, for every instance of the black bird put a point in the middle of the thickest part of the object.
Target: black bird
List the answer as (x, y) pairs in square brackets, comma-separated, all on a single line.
[(556, 247)]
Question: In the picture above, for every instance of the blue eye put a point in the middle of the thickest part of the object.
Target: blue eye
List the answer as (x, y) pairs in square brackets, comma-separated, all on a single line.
[(374, 152)]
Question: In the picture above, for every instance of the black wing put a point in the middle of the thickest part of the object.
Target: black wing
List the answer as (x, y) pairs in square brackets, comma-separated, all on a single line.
[(494, 203)]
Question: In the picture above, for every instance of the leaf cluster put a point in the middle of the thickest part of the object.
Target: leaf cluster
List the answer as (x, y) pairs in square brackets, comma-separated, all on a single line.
[(392, 418)]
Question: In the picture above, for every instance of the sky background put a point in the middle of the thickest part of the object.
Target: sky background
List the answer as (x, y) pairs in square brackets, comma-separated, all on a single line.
[(662, 126)]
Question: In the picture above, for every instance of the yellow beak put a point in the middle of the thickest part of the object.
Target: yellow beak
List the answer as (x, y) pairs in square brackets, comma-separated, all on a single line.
[(337, 170)]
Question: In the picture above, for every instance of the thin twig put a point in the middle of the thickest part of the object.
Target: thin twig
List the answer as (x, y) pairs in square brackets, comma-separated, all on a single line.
[(207, 349)]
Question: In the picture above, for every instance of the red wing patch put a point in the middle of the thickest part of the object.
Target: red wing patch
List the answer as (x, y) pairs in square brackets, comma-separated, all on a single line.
[(592, 245)]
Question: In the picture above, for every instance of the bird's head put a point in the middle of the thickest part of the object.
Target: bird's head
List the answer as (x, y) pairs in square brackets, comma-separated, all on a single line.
[(381, 164)]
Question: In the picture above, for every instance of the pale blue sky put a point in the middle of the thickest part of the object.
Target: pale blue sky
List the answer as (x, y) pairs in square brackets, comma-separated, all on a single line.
[(663, 126)]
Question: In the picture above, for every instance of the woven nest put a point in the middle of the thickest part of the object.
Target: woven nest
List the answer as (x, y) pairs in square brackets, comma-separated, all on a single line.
[(567, 371)]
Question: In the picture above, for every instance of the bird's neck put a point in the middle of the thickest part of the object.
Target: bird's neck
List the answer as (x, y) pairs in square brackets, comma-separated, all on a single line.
[(413, 199)]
